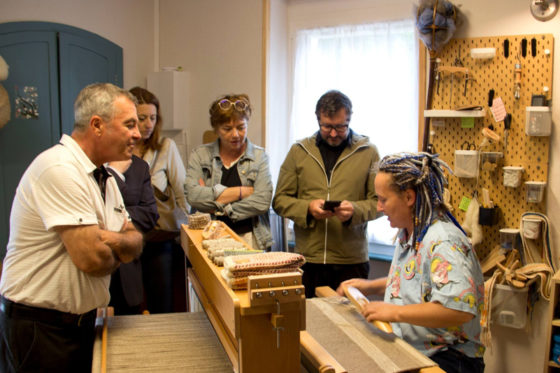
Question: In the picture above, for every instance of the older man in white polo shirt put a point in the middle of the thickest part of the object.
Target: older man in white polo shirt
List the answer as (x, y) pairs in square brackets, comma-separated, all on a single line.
[(69, 231)]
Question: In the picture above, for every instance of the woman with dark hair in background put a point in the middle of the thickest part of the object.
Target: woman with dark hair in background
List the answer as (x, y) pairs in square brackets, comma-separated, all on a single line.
[(163, 260), (133, 178)]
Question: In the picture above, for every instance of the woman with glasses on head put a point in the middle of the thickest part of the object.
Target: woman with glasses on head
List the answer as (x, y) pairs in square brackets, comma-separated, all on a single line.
[(229, 177), (163, 260)]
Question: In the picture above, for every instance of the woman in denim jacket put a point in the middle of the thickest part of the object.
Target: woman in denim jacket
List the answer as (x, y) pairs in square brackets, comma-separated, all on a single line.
[(229, 177)]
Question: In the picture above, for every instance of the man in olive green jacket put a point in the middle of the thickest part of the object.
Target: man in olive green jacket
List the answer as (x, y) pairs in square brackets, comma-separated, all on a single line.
[(334, 164)]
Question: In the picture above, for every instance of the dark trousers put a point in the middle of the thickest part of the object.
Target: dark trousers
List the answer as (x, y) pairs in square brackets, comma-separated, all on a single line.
[(163, 274), (41, 340), (315, 275), (453, 361), (118, 299)]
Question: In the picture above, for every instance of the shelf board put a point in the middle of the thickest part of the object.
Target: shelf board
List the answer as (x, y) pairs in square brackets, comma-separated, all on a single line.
[(454, 113), (553, 364)]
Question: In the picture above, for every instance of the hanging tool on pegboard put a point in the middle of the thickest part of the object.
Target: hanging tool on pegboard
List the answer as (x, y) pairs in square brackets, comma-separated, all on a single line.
[(517, 79), (437, 75), (507, 126)]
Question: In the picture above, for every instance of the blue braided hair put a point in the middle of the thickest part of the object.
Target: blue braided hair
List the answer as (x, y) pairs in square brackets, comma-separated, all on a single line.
[(423, 173)]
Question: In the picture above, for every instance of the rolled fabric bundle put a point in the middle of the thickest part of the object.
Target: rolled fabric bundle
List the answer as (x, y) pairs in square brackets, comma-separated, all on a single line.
[(199, 220), (223, 242), (219, 255)]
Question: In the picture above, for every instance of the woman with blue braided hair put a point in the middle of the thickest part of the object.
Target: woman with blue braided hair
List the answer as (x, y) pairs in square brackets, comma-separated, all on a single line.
[(434, 293)]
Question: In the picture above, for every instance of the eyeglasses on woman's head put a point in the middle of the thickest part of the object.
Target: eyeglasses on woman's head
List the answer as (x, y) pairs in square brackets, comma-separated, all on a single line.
[(239, 105)]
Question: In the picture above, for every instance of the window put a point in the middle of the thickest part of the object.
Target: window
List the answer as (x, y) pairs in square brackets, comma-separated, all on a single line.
[(376, 66)]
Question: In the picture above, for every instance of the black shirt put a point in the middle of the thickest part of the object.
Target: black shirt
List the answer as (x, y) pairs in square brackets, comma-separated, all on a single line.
[(230, 178), (329, 153)]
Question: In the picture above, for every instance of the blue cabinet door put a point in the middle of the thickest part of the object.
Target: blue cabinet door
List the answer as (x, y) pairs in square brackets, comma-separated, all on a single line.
[(85, 59), (49, 64), (32, 86)]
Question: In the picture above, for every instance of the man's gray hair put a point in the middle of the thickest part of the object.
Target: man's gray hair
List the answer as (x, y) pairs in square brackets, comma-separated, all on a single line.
[(97, 99)]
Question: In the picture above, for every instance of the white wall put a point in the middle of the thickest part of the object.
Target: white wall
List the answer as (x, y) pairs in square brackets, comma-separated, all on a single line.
[(323, 13), (279, 104), (219, 42), (127, 23)]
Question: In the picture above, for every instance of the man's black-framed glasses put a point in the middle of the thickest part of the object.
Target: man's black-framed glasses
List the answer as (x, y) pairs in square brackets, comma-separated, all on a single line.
[(340, 128), (239, 105)]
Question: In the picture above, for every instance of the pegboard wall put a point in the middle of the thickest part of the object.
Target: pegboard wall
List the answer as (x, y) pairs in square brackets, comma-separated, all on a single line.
[(449, 133)]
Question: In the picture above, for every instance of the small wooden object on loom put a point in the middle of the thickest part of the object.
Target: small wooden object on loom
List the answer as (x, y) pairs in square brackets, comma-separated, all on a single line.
[(359, 301), (105, 314)]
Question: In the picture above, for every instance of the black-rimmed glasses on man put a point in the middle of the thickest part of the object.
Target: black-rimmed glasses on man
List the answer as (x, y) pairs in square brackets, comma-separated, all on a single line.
[(340, 128)]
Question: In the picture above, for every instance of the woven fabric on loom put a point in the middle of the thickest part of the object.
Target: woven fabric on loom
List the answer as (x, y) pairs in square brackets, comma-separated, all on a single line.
[(258, 262), (356, 344)]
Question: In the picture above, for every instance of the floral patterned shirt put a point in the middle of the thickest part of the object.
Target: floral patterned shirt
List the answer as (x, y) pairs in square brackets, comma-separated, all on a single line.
[(446, 270)]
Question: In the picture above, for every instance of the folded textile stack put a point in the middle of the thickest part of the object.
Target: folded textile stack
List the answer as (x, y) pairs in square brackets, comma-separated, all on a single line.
[(216, 249), (237, 269), (199, 220)]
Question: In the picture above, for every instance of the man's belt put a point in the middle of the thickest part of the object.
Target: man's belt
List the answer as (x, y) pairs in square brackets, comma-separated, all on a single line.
[(48, 316)]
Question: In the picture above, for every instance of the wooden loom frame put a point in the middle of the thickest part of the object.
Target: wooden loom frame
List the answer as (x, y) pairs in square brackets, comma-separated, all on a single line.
[(245, 326), (240, 316)]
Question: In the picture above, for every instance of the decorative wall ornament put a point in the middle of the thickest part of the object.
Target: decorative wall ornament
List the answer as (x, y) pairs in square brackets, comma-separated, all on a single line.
[(26, 103), (436, 21), (5, 110)]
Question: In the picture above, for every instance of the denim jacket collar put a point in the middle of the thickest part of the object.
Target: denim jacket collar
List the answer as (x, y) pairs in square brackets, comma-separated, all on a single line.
[(248, 154)]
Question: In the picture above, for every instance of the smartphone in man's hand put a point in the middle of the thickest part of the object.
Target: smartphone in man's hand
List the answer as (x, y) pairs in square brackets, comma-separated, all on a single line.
[(330, 205)]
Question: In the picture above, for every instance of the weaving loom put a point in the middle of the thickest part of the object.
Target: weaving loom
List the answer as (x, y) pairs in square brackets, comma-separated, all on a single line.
[(260, 329), (262, 335)]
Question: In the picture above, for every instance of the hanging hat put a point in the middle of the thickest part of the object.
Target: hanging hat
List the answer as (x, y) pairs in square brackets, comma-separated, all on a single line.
[(436, 23)]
